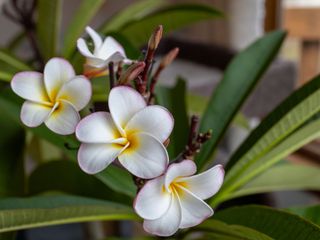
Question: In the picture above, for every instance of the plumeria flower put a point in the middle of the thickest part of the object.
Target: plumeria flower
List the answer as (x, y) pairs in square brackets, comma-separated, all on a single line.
[(54, 97), (104, 52), (131, 132), (175, 199)]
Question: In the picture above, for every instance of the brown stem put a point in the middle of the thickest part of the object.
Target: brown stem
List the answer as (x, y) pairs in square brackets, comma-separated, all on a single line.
[(111, 75)]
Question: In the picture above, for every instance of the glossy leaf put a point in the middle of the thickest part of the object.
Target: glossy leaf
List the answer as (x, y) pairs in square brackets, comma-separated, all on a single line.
[(311, 213), (174, 100), (239, 79), (82, 17), (138, 32), (277, 224), (25, 213), (135, 11), (48, 26), (13, 61)]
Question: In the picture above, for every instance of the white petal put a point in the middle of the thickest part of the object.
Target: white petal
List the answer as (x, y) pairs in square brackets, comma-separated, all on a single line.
[(76, 91), (64, 119), (97, 40), (155, 120), (124, 102), (176, 170), (93, 158), (98, 127), (152, 202), (206, 184), (33, 114), (57, 72), (145, 157), (194, 210), (30, 86), (109, 47), (83, 48), (169, 223), (101, 63)]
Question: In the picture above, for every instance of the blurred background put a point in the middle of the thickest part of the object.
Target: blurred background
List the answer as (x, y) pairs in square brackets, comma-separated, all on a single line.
[(205, 50)]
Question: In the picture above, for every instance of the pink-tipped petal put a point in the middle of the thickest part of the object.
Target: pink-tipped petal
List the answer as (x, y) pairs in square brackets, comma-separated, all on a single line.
[(57, 72), (124, 102), (34, 114), (169, 223), (145, 157), (77, 91), (194, 210), (206, 184), (155, 120), (98, 127), (177, 170), (63, 119), (94, 158), (152, 202), (30, 86), (97, 40)]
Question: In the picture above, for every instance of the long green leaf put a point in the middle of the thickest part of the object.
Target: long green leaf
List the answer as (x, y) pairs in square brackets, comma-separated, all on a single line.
[(5, 77), (281, 178), (214, 229), (116, 178), (133, 12), (312, 213), (174, 100), (13, 61), (85, 12), (24, 213), (284, 120), (171, 17), (239, 80), (48, 26), (276, 224)]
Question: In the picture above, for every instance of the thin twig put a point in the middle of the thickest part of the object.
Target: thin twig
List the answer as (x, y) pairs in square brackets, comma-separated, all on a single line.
[(111, 74)]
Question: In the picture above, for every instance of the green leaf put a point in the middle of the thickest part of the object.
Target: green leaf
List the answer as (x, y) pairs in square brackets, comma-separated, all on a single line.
[(25, 213), (280, 178), (13, 61), (138, 32), (133, 12), (311, 213), (174, 100), (85, 12), (71, 181), (276, 224), (116, 178), (239, 80), (48, 26), (295, 111), (214, 229), (11, 157), (5, 77)]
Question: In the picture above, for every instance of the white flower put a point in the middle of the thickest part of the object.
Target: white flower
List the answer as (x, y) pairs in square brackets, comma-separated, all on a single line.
[(104, 52), (54, 97), (132, 131), (175, 200)]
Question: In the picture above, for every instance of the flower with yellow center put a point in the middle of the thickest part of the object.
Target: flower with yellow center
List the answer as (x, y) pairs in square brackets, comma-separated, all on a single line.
[(54, 97), (175, 199), (132, 132)]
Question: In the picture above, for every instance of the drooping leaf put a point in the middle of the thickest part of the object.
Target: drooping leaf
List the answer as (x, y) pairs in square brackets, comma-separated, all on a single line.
[(138, 31), (12, 61), (282, 177), (48, 26), (213, 229), (82, 17), (174, 100), (133, 12), (312, 213), (239, 80), (71, 180), (25, 213), (277, 224)]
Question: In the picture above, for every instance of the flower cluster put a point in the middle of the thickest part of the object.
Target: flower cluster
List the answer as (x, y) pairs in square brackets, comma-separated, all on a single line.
[(132, 130)]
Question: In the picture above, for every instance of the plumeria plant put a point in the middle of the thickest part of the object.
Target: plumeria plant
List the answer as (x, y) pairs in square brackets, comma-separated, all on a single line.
[(90, 134)]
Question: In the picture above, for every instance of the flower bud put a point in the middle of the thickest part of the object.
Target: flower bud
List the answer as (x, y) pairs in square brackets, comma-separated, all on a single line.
[(155, 38), (131, 73), (169, 57)]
